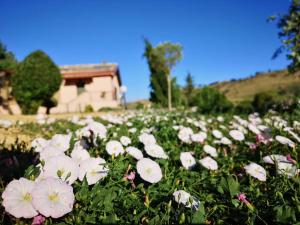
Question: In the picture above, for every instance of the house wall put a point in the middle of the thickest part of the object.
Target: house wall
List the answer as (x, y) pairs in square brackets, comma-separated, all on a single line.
[(99, 93)]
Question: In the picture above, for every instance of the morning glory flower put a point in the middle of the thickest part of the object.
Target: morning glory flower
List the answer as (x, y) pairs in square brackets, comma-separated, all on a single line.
[(94, 169), (53, 198), (187, 160), (134, 152), (210, 150), (156, 151), (17, 198), (62, 167), (149, 170), (125, 141), (256, 171), (183, 197), (237, 135), (114, 147), (209, 163)]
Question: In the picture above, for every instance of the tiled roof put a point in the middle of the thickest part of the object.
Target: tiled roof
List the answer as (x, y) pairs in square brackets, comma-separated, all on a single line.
[(90, 70)]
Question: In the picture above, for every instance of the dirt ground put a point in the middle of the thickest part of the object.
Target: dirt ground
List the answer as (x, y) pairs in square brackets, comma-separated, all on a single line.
[(9, 135)]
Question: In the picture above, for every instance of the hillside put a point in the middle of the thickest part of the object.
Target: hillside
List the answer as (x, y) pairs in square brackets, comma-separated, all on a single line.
[(245, 89)]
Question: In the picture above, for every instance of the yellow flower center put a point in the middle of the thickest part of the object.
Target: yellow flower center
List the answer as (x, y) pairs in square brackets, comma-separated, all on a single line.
[(148, 170), (53, 197), (93, 173), (27, 197)]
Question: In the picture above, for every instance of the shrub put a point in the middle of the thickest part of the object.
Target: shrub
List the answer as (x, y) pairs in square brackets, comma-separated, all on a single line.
[(244, 107), (88, 109), (263, 101), (210, 100), (36, 80)]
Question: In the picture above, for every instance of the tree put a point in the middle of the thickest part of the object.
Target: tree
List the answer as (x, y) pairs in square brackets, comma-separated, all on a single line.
[(189, 89), (36, 80), (8, 65), (289, 25), (171, 54), (211, 100), (161, 60)]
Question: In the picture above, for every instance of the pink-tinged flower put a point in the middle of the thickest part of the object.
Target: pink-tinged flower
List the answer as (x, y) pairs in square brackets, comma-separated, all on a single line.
[(131, 176), (289, 158), (17, 198), (38, 220), (53, 197), (252, 146), (260, 138), (242, 198)]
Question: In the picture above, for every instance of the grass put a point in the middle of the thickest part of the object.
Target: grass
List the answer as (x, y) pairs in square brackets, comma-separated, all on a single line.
[(245, 89)]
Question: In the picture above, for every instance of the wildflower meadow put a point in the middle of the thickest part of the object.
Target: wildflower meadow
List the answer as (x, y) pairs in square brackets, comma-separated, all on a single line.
[(155, 167)]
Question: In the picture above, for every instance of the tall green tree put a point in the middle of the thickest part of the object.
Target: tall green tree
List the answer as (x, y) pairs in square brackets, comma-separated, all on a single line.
[(161, 60), (189, 89), (8, 65), (289, 25), (170, 54), (36, 80)]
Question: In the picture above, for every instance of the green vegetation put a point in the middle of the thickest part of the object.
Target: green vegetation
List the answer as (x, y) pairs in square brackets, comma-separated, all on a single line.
[(36, 80), (161, 60), (210, 100), (289, 25)]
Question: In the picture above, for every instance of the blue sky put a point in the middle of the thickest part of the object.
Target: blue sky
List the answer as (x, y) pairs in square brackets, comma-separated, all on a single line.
[(221, 39)]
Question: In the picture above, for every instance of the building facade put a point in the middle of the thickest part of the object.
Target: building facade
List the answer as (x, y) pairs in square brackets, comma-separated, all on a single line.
[(90, 85)]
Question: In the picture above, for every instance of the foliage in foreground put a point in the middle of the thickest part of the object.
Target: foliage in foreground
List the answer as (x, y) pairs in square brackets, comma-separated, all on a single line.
[(115, 199)]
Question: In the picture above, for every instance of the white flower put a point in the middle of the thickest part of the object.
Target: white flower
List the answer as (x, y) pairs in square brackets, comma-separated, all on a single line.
[(80, 154), (93, 128), (199, 137), (52, 197), (187, 160), (134, 152), (39, 144), (272, 159), (220, 119), (114, 147), (253, 128), (61, 141), (185, 134), (237, 135), (50, 151), (132, 130), (125, 140), (147, 139), (217, 134), (209, 163), (256, 171), (225, 141), (17, 198), (285, 141), (156, 151), (210, 150), (186, 199), (287, 168), (62, 167), (149, 170), (94, 169)]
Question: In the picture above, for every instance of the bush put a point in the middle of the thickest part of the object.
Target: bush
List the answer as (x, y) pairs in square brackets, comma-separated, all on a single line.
[(36, 80), (210, 100), (263, 101), (244, 107), (88, 109)]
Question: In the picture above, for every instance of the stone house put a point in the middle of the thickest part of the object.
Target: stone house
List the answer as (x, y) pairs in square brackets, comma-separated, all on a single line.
[(95, 85)]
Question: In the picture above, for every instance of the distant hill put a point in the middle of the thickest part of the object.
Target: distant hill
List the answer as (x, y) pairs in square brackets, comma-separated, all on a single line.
[(245, 89)]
